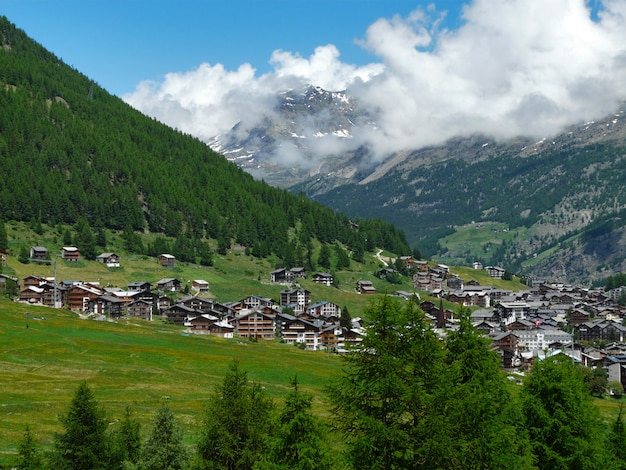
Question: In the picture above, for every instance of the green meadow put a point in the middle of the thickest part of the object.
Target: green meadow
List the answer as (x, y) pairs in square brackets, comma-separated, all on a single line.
[(46, 353)]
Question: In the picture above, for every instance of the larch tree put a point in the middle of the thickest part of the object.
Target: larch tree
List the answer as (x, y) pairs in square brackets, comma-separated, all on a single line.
[(565, 428), (382, 400), (236, 425), (164, 449), (84, 442)]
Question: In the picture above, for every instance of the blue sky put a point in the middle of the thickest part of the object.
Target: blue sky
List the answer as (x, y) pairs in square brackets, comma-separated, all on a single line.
[(428, 70), (119, 43)]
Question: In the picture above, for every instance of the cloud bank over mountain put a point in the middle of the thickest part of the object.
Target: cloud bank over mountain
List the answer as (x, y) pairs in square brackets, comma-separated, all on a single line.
[(512, 67)]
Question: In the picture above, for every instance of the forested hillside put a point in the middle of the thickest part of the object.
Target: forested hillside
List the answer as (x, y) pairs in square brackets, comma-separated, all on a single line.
[(70, 150)]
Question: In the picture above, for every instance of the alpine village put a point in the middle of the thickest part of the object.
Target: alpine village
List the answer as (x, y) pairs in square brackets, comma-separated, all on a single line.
[(162, 309)]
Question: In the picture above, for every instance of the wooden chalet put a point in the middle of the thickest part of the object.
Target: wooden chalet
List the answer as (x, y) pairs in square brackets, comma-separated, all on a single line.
[(70, 253), (140, 309), (298, 299), (169, 284), (323, 278), (166, 260), (79, 294), (301, 331), (38, 253), (140, 286), (110, 260), (365, 287), (200, 286), (324, 309), (106, 304), (3, 257), (178, 314), (254, 324)]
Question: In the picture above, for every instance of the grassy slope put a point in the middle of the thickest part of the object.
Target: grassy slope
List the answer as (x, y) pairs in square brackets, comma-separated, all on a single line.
[(127, 363)]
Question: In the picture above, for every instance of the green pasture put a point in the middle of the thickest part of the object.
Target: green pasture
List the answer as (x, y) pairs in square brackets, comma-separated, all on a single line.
[(46, 353)]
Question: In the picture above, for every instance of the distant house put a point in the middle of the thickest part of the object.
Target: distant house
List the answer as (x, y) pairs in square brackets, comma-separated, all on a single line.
[(3, 257), (365, 287), (110, 260), (287, 275), (299, 298), (169, 284), (495, 272), (166, 260), (200, 286), (70, 253), (140, 309), (301, 331), (38, 253), (140, 286), (253, 324), (323, 278), (324, 309), (105, 305)]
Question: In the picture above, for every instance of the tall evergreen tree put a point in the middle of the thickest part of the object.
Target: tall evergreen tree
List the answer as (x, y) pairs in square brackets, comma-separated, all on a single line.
[(29, 456), (482, 426), (85, 239), (128, 439), (84, 442), (164, 449), (564, 426), (382, 400), (324, 257), (300, 438), (236, 426), (4, 240)]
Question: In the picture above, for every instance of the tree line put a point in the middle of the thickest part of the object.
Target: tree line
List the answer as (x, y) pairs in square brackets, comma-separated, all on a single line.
[(406, 399)]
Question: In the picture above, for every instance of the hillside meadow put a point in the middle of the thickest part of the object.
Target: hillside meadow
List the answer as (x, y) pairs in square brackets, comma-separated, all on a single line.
[(46, 353)]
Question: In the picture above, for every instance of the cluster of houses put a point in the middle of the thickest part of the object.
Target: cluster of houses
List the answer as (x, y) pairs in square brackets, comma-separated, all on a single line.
[(294, 317), (524, 326)]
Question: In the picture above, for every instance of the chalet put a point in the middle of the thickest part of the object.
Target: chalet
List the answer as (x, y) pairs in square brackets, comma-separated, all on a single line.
[(365, 287), (200, 286), (4, 278), (140, 309), (163, 302), (167, 261), (140, 286), (110, 260), (454, 282), (201, 323), (495, 271), (408, 261), (323, 309), (31, 295), (255, 302), (168, 284), (477, 265), (178, 314), (421, 265), (616, 367), (323, 278), (301, 298), (579, 316), (508, 312), (601, 329), (106, 304), (210, 325), (79, 294), (301, 331), (197, 303), (70, 253), (38, 253), (287, 275), (254, 324), (330, 337), (3, 257), (279, 275)]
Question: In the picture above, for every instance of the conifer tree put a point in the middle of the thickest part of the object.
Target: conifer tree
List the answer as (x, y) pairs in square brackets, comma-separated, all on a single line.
[(128, 439), (4, 240), (236, 425), (84, 442), (164, 448), (29, 456), (324, 257), (382, 400), (564, 426), (300, 439)]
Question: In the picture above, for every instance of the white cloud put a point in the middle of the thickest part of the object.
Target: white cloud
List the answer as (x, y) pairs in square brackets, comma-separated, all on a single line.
[(512, 67)]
